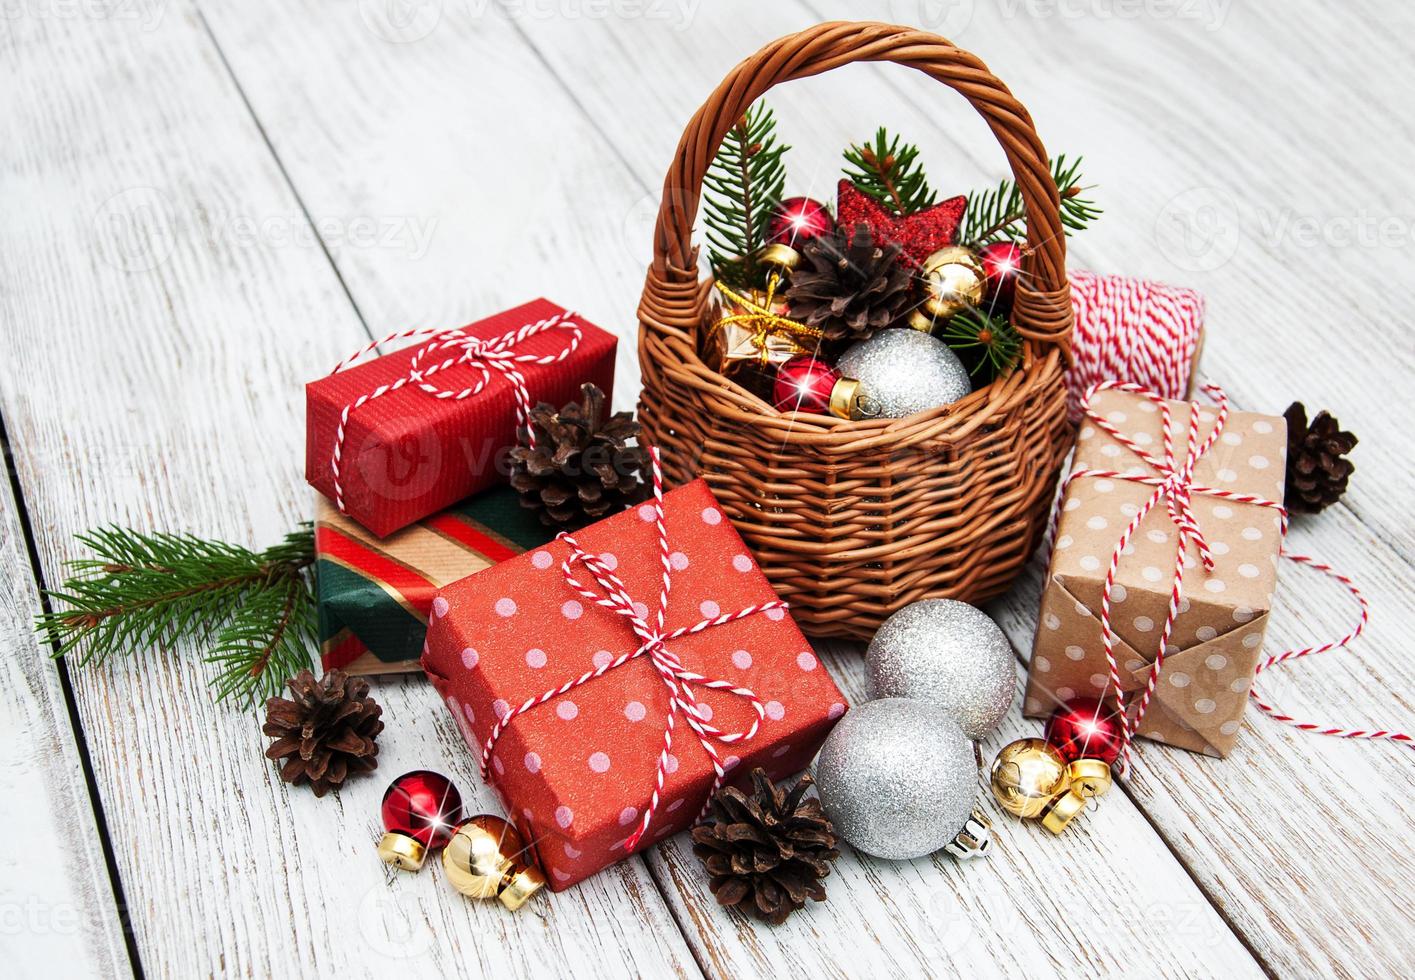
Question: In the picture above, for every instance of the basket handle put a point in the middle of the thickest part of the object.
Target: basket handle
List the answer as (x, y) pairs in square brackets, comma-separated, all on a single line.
[(1042, 308)]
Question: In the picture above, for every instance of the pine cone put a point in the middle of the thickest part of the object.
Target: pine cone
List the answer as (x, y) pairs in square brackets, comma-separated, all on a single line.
[(848, 287), (326, 733), (766, 851), (582, 467), (1316, 472)]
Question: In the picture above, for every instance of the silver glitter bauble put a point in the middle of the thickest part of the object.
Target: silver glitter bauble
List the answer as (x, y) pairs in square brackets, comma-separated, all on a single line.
[(897, 778), (904, 371), (947, 653)]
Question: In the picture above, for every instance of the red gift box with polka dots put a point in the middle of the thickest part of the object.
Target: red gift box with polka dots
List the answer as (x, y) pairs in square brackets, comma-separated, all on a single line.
[(578, 771)]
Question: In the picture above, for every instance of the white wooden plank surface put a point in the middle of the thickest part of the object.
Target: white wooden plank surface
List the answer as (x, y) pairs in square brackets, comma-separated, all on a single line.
[(440, 194), (330, 174), (171, 397), (56, 898)]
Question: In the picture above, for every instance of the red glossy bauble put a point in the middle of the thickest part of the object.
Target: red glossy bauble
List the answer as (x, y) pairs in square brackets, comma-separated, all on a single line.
[(1002, 264), (423, 805), (797, 220), (804, 384), (1085, 728)]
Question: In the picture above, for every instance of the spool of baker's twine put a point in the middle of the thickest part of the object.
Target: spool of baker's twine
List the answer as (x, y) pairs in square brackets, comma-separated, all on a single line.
[(1135, 331)]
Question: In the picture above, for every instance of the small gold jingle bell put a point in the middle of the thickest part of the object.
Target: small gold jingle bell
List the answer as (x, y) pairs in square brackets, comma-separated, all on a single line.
[(1027, 775), (1089, 778), (486, 858)]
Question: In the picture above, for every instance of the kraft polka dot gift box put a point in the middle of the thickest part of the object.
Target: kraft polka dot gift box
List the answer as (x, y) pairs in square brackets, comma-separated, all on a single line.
[(542, 663), (1207, 672)]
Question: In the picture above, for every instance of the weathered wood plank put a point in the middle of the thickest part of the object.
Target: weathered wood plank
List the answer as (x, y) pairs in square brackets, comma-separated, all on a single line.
[(162, 313), (923, 916), (56, 901)]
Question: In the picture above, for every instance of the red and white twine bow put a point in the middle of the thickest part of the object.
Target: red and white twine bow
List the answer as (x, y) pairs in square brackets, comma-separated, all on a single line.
[(483, 355), (676, 678), (1172, 478)]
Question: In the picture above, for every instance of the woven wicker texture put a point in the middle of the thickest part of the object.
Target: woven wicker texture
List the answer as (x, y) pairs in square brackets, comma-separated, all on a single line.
[(853, 520)]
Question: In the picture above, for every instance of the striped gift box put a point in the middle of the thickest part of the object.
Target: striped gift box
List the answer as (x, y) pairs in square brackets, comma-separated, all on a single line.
[(375, 593)]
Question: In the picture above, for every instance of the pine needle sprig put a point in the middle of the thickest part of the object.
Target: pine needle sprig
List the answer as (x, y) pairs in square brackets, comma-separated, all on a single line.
[(153, 589), (889, 172), (997, 215), (985, 341), (741, 189)]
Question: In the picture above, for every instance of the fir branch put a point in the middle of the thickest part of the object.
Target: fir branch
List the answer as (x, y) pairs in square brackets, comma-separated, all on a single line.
[(741, 189), (269, 642), (984, 340), (143, 590), (996, 215), (890, 173)]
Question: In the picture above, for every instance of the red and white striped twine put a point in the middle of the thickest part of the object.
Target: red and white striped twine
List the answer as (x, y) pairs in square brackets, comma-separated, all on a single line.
[(1134, 330), (482, 355), (677, 678), (1173, 482)]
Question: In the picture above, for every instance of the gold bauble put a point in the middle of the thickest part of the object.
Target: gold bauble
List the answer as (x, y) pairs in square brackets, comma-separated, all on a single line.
[(486, 858), (955, 280), (1027, 775)]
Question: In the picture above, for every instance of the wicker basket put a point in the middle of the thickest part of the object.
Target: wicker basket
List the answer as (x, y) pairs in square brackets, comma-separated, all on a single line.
[(853, 520)]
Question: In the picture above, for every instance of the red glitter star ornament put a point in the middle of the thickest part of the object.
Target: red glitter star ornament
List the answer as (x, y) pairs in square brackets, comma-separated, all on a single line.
[(920, 234)]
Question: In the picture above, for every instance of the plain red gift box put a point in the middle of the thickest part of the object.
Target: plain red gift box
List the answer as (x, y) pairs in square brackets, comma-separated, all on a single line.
[(576, 773), (408, 454)]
